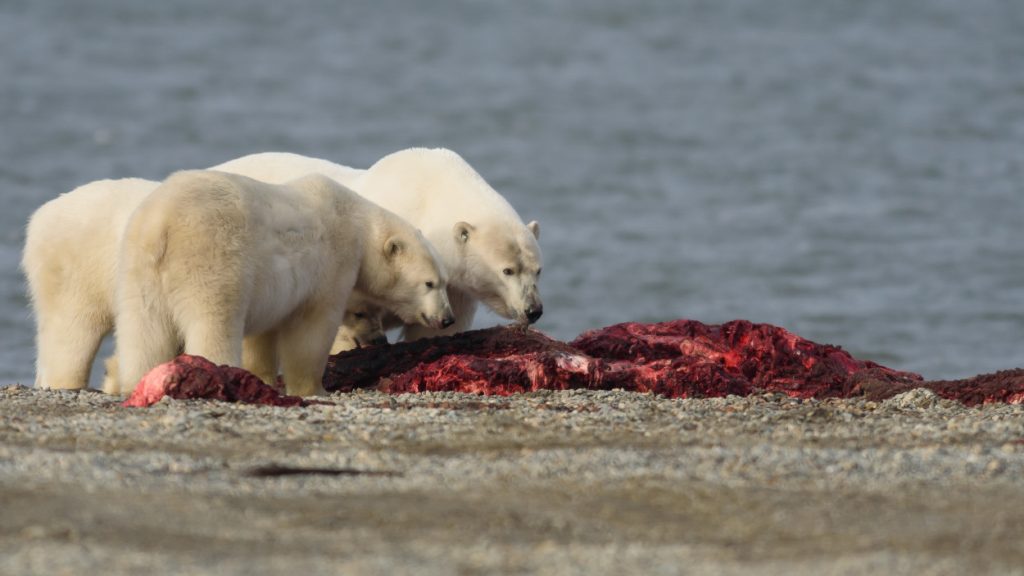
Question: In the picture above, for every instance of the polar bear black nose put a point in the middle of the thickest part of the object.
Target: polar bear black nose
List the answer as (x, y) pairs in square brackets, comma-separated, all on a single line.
[(379, 340), (534, 314), (447, 321)]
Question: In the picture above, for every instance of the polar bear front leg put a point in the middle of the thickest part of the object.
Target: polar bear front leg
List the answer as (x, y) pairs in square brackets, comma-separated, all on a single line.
[(259, 356), (218, 339), (303, 345), (66, 343)]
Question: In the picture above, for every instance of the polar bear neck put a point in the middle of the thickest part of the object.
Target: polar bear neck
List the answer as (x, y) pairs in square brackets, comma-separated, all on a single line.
[(377, 227)]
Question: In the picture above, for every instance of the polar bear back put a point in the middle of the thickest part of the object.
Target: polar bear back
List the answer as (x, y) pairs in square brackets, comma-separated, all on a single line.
[(262, 228), (73, 238), (434, 188), (281, 167), (426, 186)]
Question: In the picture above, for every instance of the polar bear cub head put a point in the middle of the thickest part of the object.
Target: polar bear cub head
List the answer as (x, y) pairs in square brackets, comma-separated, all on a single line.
[(502, 267), (406, 277), (361, 325)]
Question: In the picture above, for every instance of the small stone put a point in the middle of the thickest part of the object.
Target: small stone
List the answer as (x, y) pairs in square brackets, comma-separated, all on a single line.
[(994, 467), (916, 399)]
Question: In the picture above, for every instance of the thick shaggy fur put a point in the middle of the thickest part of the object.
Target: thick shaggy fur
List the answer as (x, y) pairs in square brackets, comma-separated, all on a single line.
[(361, 325), (70, 262), (209, 258), (490, 255)]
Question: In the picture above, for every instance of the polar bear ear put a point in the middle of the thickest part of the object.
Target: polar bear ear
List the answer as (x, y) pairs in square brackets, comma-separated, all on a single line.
[(393, 247), (535, 228), (462, 231)]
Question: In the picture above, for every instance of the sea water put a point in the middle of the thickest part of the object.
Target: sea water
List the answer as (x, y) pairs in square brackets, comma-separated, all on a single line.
[(852, 171)]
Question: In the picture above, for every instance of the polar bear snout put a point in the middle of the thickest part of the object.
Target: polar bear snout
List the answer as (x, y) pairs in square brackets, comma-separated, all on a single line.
[(440, 321), (533, 313), (434, 310), (448, 320), (532, 306), (362, 326)]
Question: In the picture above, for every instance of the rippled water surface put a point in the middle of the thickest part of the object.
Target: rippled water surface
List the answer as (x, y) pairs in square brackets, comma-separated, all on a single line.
[(853, 171)]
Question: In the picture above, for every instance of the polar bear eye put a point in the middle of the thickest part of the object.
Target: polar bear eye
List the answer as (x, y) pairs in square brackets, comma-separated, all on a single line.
[(430, 285), (508, 272)]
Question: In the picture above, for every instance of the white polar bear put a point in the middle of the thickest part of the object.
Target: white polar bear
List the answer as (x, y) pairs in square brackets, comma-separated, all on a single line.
[(209, 258), (70, 262), (361, 325), (490, 255)]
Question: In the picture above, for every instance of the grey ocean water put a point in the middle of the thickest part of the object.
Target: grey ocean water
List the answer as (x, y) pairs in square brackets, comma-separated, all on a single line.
[(852, 171)]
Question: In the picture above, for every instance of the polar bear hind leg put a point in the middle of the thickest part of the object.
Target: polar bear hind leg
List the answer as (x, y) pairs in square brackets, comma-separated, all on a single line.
[(66, 342), (146, 324), (212, 330)]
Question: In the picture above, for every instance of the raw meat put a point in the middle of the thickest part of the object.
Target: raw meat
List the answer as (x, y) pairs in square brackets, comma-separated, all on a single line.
[(678, 359), (188, 377)]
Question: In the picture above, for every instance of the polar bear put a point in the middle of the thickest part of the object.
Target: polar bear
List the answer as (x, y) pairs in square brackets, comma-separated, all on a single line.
[(209, 258), (361, 325), (70, 262), (490, 255)]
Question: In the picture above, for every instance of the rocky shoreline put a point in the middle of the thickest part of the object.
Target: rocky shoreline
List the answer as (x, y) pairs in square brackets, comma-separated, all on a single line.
[(563, 482)]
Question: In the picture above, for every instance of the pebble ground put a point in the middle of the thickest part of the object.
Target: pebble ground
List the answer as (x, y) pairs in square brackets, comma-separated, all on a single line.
[(545, 483)]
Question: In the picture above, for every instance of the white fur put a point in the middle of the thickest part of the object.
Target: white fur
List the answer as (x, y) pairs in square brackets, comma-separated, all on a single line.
[(70, 262), (209, 258), (280, 167), (475, 230), (361, 326)]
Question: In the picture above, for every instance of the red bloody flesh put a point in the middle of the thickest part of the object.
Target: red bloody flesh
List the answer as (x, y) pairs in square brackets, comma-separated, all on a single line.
[(188, 377), (678, 359), (1003, 386), (766, 357)]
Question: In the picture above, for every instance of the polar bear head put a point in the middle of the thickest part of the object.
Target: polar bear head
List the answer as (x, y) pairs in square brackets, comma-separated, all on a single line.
[(405, 276), (491, 255), (361, 325), (502, 268)]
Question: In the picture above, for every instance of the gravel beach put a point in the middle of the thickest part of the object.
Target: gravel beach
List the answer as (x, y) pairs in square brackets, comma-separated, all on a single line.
[(572, 482)]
